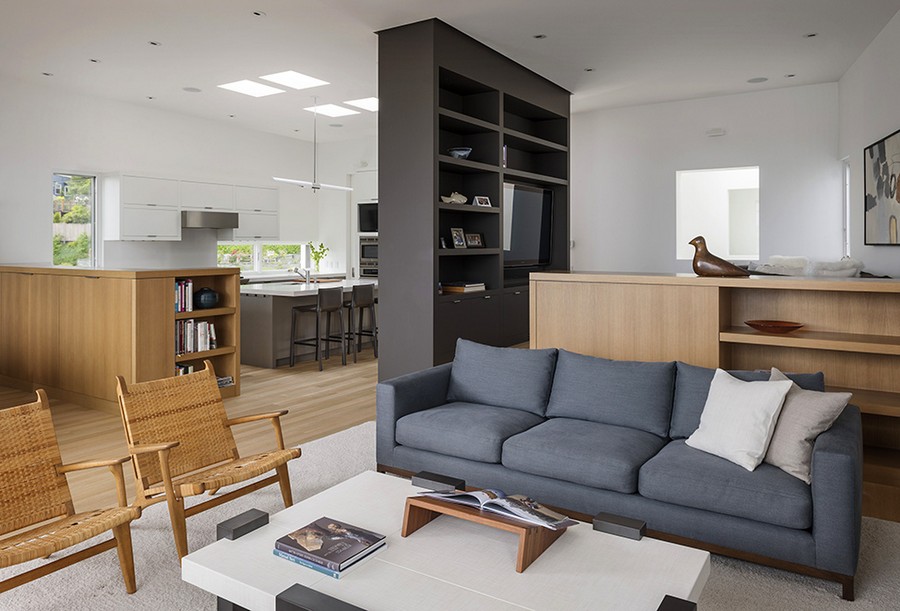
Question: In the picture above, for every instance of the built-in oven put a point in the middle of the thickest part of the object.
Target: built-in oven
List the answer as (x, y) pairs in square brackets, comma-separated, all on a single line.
[(368, 256)]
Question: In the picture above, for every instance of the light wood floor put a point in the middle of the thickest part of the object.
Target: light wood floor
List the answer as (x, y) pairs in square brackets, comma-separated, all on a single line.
[(320, 404)]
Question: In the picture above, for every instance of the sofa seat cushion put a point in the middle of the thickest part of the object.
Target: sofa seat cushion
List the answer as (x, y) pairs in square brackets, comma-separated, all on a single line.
[(588, 453), (624, 393), (464, 430), (681, 475)]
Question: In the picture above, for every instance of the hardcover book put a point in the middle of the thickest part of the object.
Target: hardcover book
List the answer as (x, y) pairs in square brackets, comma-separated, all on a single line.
[(518, 507), (330, 543)]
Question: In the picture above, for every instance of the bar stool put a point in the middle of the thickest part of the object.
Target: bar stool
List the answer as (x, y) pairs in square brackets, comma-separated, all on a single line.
[(328, 302), (362, 298)]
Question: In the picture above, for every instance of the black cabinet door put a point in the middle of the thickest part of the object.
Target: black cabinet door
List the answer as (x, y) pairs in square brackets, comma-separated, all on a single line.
[(514, 310), (475, 317)]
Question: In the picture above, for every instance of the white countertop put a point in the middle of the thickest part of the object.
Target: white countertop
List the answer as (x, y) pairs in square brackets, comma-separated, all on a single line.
[(299, 288)]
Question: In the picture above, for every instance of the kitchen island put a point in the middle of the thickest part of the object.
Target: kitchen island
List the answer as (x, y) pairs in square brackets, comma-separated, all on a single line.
[(266, 318)]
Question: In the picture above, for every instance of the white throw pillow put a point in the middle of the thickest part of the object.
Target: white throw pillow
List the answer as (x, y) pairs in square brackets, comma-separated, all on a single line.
[(805, 414), (739, 418)]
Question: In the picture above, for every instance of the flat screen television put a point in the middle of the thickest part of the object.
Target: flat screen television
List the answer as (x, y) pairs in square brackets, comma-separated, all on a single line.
[(527, 225), (368, 217)]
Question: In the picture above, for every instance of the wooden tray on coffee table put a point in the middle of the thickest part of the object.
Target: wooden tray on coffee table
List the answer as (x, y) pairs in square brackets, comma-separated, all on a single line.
[(533, 539)]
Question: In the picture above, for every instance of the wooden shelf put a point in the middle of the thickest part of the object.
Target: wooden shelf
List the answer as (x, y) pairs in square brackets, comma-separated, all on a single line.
[(463, 252), (204, 313), (199, 356), (875, 402), (816, 340), (527, 142), (881, 466), (536, 178), (457, 296), (465, 165), (469, 208), (462, 123)]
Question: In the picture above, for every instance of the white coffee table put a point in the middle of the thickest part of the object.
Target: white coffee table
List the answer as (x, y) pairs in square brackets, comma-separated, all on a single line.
[(447, 564)]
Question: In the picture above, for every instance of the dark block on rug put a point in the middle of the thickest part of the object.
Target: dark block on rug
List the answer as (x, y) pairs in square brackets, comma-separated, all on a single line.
[(438, 482), (241, 524), (672, 603), (227, 605), (620, 525), (301, 598)]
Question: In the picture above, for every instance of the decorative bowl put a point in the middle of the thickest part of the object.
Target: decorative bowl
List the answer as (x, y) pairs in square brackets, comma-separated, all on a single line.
[(773, 326), (460, 152)]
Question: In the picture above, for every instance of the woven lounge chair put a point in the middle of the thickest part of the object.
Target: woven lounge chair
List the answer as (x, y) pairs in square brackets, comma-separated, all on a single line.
[(181, 441), (36, 504)]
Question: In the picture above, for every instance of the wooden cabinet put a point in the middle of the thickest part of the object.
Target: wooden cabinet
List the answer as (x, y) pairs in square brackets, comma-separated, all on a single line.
[(514, 316), (851, 333), (473, 317), (71, 330)]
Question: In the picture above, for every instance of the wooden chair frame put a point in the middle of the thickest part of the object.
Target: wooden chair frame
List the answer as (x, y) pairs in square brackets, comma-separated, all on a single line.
[(173, 484), (46, 536)]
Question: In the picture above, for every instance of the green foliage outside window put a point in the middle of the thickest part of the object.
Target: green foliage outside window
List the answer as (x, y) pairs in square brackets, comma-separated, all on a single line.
[(68, 253)]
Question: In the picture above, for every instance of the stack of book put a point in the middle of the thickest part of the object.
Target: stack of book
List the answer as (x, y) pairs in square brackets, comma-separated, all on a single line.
[(184, 295), (462, 287), (194, 336), (328, 546), (224, 381)]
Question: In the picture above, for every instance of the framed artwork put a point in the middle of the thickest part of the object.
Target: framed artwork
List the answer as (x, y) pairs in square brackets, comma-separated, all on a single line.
[(481, 200), (881, 172), (458, 237), (474, 240)]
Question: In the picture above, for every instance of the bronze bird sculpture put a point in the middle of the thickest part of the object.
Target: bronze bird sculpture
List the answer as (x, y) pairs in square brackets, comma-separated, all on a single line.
[(707, 264)]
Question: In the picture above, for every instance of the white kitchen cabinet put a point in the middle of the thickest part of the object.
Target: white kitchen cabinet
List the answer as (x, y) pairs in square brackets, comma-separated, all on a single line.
[(256, 199), (206, 196), (143, 190), (256, 225), (149, 223), (140, 208)]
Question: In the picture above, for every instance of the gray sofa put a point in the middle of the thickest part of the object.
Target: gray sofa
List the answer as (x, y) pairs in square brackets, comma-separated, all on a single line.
[(592, 435)]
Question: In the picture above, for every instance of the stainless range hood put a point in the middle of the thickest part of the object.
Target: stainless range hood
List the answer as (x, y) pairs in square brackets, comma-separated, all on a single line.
[(204, 219)]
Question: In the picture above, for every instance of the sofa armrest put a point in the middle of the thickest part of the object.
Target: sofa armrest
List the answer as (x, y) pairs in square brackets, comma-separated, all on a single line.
[(837, 493), (404, 395)]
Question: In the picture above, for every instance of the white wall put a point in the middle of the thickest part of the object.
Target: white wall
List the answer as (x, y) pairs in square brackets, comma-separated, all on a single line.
[(624, 163), (869, 94), (44, 130)]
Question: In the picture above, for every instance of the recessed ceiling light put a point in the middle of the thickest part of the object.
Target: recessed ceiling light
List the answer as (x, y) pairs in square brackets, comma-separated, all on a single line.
[(47, 73), (332, 110), (335, 125), (370, 104), (231, 116), (812, 35), (154, 43), (540, 36), (95, 61), (588, 69), (257, 90), (258, 14), (150, 97), (294, 80), (789, 75), (191, 89), (758, 79)]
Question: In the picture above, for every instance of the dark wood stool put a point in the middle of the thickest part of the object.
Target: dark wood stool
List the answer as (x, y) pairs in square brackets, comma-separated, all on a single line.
[(362, 299), (328, 302)]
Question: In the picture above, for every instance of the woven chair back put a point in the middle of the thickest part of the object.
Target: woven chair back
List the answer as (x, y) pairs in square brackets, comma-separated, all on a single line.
[(31, 490), (187, 409)]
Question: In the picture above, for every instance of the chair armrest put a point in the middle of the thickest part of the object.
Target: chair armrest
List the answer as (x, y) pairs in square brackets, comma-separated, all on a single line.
[(402, 396), (149, 448), (837, 493), (113, 464), (255, 417)]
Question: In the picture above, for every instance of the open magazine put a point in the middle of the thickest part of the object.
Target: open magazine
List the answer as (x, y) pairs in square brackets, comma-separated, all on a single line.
[(515, 506)]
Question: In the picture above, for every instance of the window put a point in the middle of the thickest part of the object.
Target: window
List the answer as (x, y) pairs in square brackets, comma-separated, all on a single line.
[(74, 206), (722, 205), (261, 256)]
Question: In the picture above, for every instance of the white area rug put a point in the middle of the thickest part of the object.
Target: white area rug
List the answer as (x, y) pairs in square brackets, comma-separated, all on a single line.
[(96, 584)]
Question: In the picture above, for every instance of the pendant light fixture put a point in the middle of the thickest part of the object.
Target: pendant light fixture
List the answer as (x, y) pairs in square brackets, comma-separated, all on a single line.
[(314, 184)]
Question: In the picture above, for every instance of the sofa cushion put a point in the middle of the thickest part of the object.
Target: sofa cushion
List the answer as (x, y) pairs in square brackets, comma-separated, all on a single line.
[(466, 430), (504, 377), (805, 415), (624, 393), (692, 387), (684, 476), (582, 452)]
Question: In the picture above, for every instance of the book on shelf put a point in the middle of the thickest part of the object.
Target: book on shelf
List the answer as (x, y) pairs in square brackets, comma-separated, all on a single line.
[(515, 506), (184, 295), (223, 381), (182, 369), (462, 287), (194, 336), (330, 543)]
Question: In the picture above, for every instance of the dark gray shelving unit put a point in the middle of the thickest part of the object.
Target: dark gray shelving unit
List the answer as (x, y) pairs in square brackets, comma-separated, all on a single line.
[(438, 89)]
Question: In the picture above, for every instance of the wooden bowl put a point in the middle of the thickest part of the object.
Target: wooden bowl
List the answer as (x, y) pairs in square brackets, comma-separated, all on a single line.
[(773, 326)]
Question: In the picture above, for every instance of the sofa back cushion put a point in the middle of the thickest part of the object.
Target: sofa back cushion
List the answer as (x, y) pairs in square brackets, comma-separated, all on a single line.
[(623, 393), (504, 377), (692, 388)]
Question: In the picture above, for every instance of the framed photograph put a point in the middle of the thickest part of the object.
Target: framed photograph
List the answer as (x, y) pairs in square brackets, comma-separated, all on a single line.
[(481, 200), (474, 240), (458, 237), (881, 171)]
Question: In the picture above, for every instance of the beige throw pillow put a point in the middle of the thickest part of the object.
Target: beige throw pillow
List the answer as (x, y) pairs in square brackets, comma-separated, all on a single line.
[(805, 414), (739, 418)]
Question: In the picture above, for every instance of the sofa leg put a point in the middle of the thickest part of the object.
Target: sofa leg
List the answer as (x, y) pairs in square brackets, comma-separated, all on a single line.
[(847, 589)]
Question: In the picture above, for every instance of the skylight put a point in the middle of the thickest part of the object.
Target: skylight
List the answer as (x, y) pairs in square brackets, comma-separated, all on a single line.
[(257, 90), (332, 110), (294, 80), (370, 104)]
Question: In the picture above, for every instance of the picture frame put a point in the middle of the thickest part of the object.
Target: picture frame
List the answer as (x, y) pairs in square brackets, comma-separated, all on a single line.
[(481, 200), (881, 178), (458, 237), (474, 240)]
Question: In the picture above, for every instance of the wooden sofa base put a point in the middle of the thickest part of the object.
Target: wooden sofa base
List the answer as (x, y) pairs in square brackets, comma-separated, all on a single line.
[(846, 581)]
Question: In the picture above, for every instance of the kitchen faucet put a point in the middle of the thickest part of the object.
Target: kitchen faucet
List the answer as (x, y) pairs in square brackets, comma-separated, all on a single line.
[(304, 273)]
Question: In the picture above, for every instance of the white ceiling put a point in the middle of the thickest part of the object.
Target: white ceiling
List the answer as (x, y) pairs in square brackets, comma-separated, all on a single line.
[(641, 51)]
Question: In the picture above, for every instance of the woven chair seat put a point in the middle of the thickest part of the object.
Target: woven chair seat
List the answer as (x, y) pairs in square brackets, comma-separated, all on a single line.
[(55, 536), (239, 470)]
